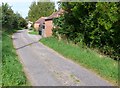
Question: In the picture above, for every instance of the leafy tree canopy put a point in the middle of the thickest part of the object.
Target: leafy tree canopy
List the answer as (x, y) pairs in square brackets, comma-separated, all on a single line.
[(10, 19), (95, 25), (41, 9)]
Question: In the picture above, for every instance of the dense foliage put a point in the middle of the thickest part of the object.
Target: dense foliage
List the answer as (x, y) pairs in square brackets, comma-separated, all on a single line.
[(39, 10), (12, 72), (10, 19), (102, 65), (96, 25)]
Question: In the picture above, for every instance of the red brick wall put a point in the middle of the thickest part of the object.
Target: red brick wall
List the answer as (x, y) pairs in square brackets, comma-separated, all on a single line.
[(48, 28), (36, 26)]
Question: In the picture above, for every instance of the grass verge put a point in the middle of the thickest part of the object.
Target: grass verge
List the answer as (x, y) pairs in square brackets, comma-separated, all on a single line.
[(0, 58), (12, 71), (104, 66), (33, 32)]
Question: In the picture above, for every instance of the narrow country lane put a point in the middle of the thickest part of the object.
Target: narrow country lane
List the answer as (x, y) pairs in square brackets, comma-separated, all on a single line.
[(44, 67)]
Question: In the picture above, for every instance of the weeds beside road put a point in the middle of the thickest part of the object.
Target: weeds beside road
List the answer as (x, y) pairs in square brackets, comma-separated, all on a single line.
[(102, 65), (12, 70), (32, 31)]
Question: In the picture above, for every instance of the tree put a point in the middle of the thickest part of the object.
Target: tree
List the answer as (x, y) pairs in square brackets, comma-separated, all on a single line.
[(41, 9), (7, 15), (11, 20), (0, 17), (21, 21), (96, 25)]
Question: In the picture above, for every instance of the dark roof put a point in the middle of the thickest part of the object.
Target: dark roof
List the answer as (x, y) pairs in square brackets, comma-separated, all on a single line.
[(54, 15), (40, 20)]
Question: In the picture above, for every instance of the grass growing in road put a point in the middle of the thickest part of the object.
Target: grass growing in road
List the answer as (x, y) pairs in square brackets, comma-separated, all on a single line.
[(104, 66), (12, 71), (33, 32)]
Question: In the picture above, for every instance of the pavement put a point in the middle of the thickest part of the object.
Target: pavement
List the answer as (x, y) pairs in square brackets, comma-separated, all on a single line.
[(44, 67)]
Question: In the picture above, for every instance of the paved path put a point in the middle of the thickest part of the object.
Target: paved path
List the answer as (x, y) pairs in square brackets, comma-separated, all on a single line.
[(44, 67)]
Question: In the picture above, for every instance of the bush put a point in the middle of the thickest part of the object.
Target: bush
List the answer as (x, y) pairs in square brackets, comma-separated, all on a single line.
[(95, 24)]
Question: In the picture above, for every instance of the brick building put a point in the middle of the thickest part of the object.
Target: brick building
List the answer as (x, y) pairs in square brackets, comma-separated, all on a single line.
[(45, 24)]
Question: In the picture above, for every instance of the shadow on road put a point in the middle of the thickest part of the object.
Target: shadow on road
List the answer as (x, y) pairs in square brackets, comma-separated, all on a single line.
[(26, 45)]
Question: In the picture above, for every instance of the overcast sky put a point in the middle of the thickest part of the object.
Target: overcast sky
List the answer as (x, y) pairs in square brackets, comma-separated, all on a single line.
[(21, 6)]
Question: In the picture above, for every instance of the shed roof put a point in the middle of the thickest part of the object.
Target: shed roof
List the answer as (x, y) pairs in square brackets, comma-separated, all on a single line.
[(54, 15), (40, 20)]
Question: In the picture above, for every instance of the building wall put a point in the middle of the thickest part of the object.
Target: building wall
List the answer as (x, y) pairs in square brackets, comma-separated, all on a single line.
[(29, 25), (36, 26), (48, 28)]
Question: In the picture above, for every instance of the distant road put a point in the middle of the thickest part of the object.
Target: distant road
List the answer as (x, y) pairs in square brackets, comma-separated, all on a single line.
[(45, 67)]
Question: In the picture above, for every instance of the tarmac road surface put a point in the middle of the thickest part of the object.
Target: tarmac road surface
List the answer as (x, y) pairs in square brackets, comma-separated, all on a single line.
[(45, 67)]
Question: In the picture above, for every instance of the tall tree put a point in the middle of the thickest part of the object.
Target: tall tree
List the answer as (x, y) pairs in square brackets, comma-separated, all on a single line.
[(94, 24), (0, 17), (7, 15), (40, 9), (11, 20)]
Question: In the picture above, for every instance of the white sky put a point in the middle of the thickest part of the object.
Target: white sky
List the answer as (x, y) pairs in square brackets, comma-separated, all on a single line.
[(22, 6)]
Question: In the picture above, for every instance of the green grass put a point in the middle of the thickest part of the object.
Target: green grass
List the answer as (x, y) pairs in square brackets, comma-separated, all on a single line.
[(12, 70), (0, 60), (102, 65), (33, 32)]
